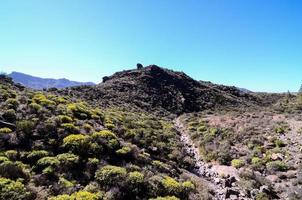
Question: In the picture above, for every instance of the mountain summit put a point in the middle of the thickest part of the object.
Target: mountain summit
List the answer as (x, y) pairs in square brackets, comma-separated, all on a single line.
[(154, 88), (40, 83)]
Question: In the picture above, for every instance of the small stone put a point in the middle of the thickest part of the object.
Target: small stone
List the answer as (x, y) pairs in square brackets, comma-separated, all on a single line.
[(290, 174), (277, 156), (216, 180), (230, 192), (229, 181), (264, 189), (272, 178)]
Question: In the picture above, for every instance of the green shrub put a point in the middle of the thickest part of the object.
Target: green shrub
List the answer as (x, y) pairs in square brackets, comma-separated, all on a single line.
[(42, 100), (80, 110), (36, 155), (110, 175), (104, 134), (77, 143), (202, 129), (257, 163), (135, 178), (3, 159), (237, 163), (160, 165), (11, 170), (48, 161), (277, 166), (171, 186), (65, 182), (165, 198), (65, 119), (11, 154), (35, 107), (93, 161), (60, 100), (80, 195), (13, 190), (68, 159), (124, 151), (5, 130), (187, 187), (279, 143), (280, 130), (12, 103), (107, 138), (70, 128), (84, 195), (262, 196), (10, 115), (87, 127), (61, 197), (109, 126), (26, 127)]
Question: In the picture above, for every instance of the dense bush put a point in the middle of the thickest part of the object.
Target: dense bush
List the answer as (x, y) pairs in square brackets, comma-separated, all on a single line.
[(48, 162), (35, 108), (171, 186), (77, 143), (70, 128), (277, 166), (12, 170), (237, 163), (35, 155), (81, 195), (107, 139), (165, 198), (5, 130), (43, 101), (13, 190), (68, 160), (25, 127), (135, 178), (110, 175), (12, 103), (10, 115), (65, 119)]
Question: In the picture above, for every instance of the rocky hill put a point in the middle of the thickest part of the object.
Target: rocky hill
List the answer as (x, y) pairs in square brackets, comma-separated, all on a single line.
[(41, 83), (158, 89)]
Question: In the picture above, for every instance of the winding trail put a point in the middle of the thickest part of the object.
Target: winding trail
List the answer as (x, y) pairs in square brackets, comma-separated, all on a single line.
[(225, 188)]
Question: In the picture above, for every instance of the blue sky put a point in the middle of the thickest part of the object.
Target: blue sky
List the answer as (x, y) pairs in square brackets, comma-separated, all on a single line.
[(254, 44)]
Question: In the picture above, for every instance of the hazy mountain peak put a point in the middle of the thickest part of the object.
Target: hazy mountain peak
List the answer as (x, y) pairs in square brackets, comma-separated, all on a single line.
[(40, 83)]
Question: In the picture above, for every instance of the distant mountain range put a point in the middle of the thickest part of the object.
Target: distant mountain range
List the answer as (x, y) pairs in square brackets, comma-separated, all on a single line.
[(40, 83)]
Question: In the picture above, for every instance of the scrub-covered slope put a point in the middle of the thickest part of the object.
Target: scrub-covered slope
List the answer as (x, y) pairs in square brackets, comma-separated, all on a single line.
[(52, 147)]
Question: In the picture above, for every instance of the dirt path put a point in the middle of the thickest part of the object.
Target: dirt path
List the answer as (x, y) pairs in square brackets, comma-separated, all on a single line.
[(225, 188)]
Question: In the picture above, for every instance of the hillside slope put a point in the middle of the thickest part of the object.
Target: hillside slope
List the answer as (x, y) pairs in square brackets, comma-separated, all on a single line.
[(157, 89), (56, 147)]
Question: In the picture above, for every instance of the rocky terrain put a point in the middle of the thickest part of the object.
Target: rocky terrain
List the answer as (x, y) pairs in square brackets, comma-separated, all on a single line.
[(149, 133), (164, 91)]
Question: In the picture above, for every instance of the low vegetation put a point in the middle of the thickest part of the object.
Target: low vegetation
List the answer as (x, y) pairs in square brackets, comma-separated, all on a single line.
[(71, 150)]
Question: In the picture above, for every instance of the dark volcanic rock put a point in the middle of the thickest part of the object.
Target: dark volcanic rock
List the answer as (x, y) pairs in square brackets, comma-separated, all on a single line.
[(157, 89)]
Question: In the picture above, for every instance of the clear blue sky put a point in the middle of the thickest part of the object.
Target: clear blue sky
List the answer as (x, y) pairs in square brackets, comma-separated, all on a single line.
[(256, 44)]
